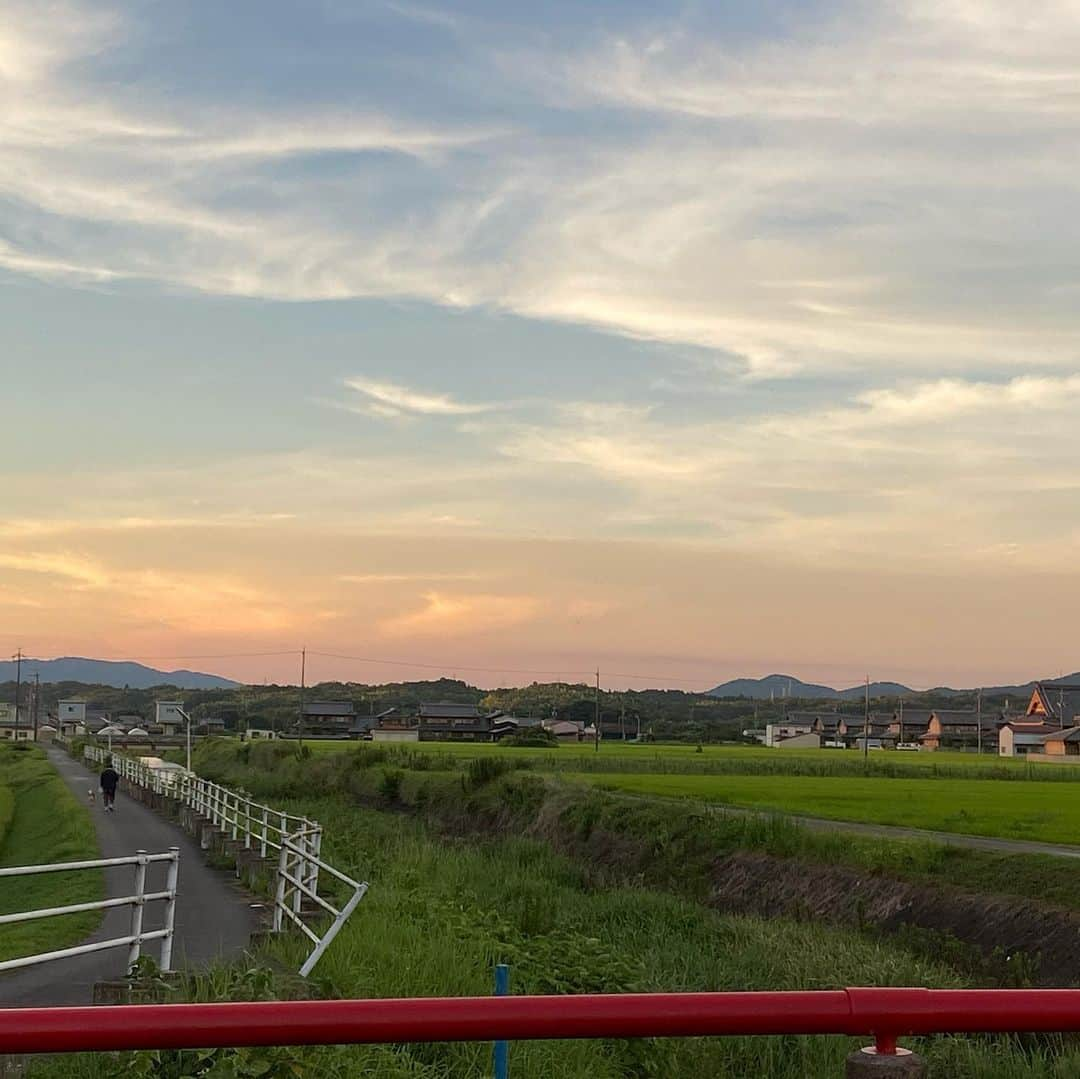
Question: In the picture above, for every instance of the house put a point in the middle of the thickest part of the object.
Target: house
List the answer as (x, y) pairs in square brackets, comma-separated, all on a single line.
[(1017, 738), (256, 734), (15, 727), (960, 729), (805, 740), (565, 730), (208, 726), (909, 724), (328, 719), (363, 726), (1062, 743), (71, 711), (447, 721), (775, 733), (826, 724), (169, 717), (1056, 702), (396, 728)]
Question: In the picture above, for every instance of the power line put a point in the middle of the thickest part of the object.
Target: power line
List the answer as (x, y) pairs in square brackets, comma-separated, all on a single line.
[(445, 666)]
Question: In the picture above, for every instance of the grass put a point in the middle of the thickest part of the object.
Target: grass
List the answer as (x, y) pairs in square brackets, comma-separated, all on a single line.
[(674, 841), (7, 809), (441, 914), (682, 759), (471, 877), (48, 825), (1046, 812)]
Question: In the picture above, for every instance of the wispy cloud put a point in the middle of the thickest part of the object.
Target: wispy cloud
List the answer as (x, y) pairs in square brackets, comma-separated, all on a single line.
[(387, 399), (771, 174), (446, 615), (406, 578)]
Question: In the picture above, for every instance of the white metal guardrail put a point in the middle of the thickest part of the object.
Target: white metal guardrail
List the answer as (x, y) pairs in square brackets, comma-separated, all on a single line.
[(297, 840), (136, 936)]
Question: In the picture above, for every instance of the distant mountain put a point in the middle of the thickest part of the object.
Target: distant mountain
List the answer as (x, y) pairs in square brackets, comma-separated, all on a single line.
[(104, 672), (772, 685), (877, 689), (779, 686)]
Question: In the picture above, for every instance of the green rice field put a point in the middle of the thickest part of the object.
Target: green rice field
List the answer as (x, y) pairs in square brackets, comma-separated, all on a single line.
[(1047, 812)]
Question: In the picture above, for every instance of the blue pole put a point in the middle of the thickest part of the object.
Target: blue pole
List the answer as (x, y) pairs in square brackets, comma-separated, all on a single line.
[(502, 1049)]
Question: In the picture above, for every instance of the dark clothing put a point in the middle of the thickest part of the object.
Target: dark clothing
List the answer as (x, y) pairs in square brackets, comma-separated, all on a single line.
[(109, 780)]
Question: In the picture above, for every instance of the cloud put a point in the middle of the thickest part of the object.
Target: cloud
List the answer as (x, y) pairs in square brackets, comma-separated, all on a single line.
[(402, 578), (191, 601), (928, 143), (80, 571), (446, 615), (389, 400)]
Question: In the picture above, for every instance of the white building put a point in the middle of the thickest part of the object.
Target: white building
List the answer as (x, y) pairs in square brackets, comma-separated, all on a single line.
[(71, 711), (775, 733), (167, 716)]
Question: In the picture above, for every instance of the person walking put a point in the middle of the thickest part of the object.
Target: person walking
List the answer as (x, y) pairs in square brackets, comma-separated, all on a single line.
[(109, 781)]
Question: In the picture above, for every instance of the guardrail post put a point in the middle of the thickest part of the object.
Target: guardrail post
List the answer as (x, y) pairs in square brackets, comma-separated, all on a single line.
[(301, 871), (170, 908), (886, 1060), (279, 894), (137, 909), (313, 845), (262, 843)]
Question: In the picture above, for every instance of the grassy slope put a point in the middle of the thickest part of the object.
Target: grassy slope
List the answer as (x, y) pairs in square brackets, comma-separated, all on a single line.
[(1048, 812), (682, 839), (49, 825), (441, 914)]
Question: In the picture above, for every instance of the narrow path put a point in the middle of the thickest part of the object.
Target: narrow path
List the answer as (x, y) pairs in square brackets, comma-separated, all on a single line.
[(214, 917), (893, 831)]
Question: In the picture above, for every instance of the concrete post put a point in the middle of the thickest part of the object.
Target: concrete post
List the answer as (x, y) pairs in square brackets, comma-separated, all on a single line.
[(870, 1064)]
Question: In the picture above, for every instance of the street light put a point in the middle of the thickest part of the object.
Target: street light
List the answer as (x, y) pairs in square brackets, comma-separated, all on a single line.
[(188, 718)]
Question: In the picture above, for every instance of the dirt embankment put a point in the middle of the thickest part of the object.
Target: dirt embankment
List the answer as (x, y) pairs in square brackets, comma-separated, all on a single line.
[(753, 883)]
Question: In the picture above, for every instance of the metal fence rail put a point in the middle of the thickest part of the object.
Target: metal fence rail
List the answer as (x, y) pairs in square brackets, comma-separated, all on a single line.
[(135, 938), (885, 1014), (296, 839)]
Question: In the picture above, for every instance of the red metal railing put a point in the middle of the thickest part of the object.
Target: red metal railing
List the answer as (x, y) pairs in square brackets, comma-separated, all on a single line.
[(886, 1014)]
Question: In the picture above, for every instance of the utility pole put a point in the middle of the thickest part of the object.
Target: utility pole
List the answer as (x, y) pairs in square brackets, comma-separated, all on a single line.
[(900, 737), (866, 723), (37, 698), (978, 717), (303, 669), (18, 687), (622, 720), (1061, 708), (596, 721)]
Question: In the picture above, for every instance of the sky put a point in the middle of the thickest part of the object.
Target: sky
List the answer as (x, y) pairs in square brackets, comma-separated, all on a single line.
[(674, 341)]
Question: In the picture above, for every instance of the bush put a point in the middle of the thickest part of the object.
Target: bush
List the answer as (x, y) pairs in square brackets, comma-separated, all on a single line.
[(531, 738), (390, 784)]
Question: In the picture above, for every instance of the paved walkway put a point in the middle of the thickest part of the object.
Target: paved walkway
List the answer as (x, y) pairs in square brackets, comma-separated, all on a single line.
[(214, 917)]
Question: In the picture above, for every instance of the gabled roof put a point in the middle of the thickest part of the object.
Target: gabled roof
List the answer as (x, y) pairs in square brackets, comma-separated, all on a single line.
[(1070, 734), (807, 717), (913, 717), (1060, 699), (949, 717), (1033, 728), (449, 711), (329, 708)]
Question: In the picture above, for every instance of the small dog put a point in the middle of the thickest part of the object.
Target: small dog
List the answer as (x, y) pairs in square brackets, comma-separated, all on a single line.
[(92, 795)]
